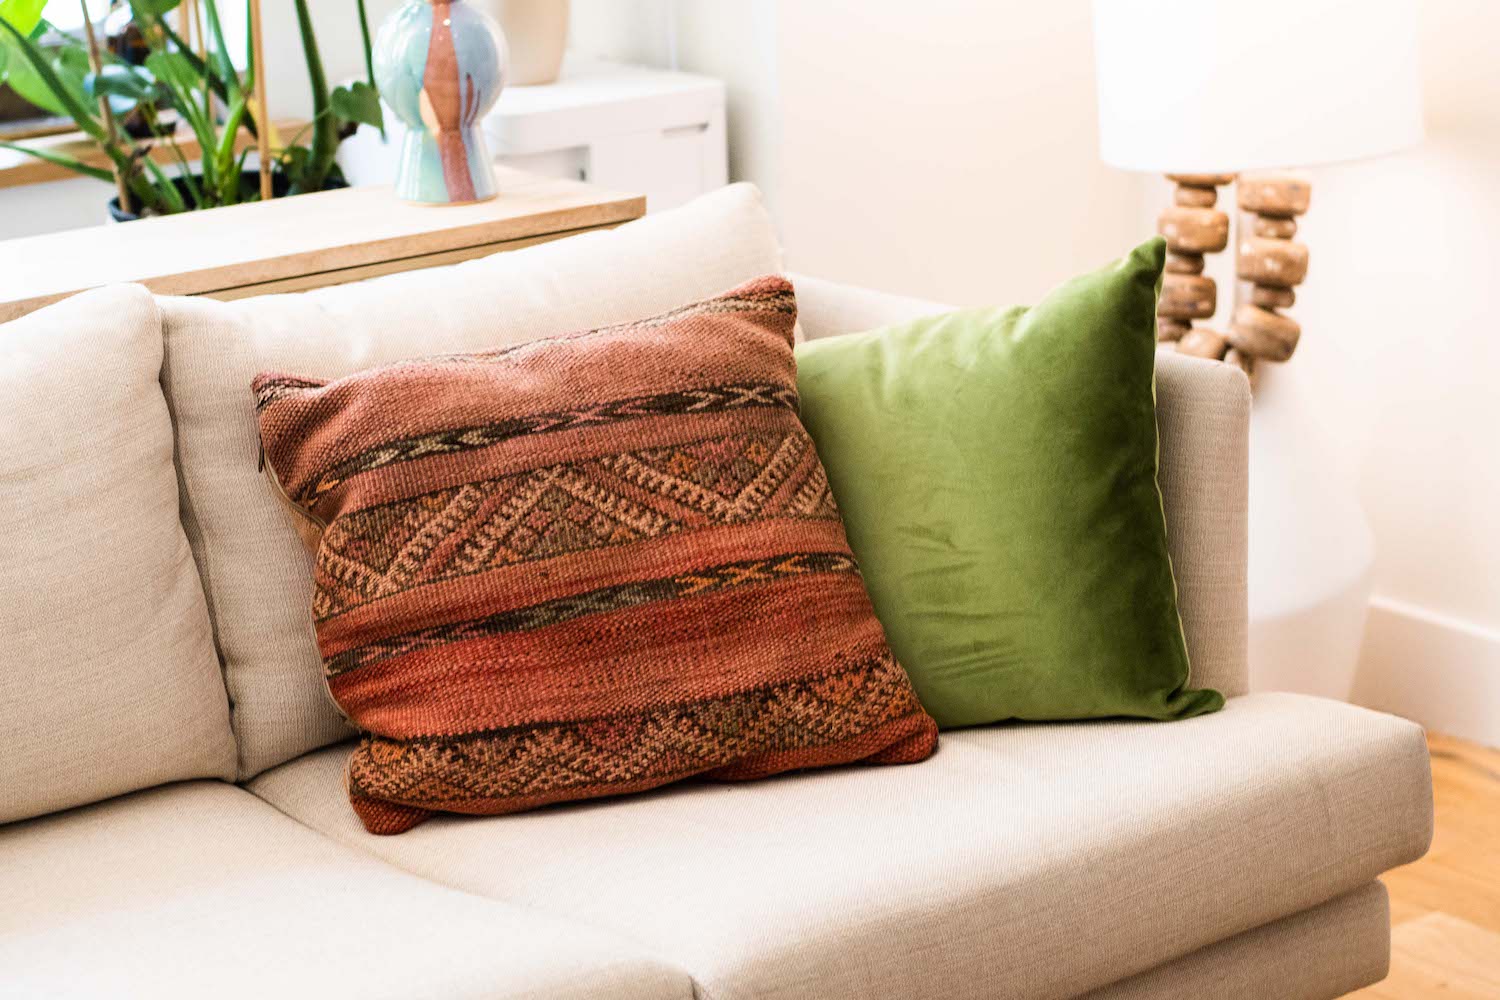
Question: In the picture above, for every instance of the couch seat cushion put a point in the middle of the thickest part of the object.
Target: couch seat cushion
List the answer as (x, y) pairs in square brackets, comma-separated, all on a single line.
[(1023, 860), (202, 890)]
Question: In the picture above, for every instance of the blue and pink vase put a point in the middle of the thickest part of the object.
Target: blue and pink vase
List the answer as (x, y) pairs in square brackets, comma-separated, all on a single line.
[(440, 65)]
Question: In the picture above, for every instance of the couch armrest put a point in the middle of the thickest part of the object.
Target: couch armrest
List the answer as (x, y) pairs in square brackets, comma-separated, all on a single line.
[(1203, 419)]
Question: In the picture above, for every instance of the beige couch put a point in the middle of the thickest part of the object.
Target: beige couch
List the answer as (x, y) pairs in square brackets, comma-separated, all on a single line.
[(170, 780)]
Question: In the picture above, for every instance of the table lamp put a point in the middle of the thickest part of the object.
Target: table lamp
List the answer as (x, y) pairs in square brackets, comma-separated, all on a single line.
[(1204, 90), (1210, 91)]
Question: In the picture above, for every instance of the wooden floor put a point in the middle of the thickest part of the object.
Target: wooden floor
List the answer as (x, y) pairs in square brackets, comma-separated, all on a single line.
[(1445, 909)]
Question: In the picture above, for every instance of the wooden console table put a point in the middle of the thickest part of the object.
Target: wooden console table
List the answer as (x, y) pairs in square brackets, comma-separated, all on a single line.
[(293, 244)]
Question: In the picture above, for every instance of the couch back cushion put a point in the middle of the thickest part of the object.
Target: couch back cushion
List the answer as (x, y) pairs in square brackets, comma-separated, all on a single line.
[(256, 572), (108, 678)]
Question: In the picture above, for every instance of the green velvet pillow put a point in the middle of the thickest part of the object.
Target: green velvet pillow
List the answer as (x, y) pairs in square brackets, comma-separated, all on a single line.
[(996, 469)]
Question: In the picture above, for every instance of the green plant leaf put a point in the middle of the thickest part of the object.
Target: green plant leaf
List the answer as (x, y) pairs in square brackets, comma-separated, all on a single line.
[(18, 74), (73, 60), (142, 11), (218, 52), (175, 72), (71, 98), (325, 139), (167, 140), (240, 165), (233, 118), (61, 160), (228, 177), (358, 102), (294, 161), (121, 80), (366, 45), (144, 196), (171, 198), (368, 48), (195, 189), (23, 15), (23, 78), (125, 86)]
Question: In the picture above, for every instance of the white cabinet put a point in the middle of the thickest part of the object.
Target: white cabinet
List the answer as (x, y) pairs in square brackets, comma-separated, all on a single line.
[(625, 128)]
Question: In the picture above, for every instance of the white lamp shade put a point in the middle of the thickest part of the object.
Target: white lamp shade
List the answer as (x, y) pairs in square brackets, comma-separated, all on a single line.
[(1220, 86)]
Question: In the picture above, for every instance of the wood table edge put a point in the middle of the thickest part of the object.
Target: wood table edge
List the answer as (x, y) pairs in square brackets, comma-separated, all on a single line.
[(581, 211)]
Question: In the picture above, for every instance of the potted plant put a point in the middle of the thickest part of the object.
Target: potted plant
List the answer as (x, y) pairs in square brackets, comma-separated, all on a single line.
[(171, 93)]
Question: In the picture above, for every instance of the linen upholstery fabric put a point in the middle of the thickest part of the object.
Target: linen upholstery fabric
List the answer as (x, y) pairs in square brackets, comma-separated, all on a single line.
[(997, 470), (201, 890), (585, 566), (1203, 419), (1203, 423), (1016, 844), (1319, 954), (254, 569), (108, 678)]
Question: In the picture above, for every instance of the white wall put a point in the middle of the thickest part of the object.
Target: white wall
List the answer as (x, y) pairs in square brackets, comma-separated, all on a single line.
[(337, 28), (1402, 334), (741, 50), (944, 150), (636, 31), (736, 43)]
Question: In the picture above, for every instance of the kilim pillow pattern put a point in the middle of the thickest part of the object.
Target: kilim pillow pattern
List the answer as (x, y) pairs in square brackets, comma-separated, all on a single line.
[(584, 566)]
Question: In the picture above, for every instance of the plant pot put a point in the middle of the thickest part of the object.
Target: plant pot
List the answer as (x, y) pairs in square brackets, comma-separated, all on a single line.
[(249, 181), (537, 32)]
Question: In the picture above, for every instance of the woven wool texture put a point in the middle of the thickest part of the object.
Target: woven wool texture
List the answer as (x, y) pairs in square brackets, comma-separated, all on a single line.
[(584, 566)]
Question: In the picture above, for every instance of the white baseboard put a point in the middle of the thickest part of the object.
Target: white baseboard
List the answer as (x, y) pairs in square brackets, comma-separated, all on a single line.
[(1440, 671)]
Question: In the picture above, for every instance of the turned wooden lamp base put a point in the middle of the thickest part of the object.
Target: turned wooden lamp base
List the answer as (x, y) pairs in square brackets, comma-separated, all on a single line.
[(1268, 259), (1193, 227)]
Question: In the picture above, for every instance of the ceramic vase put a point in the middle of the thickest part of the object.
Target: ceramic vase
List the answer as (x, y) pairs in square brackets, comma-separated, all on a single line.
[(440, 65), (537, 31)]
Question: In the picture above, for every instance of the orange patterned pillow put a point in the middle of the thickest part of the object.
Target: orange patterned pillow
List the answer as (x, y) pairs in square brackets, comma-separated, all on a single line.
[(584, 566)]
